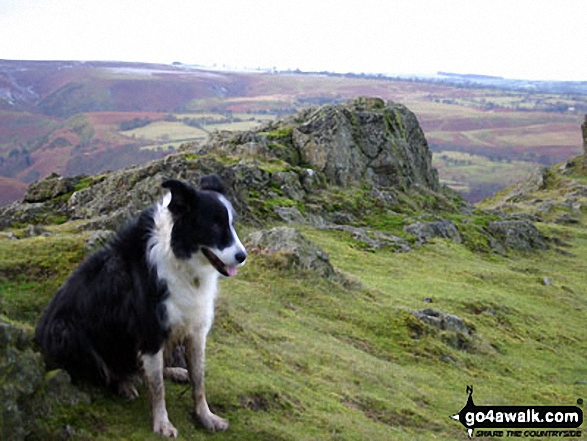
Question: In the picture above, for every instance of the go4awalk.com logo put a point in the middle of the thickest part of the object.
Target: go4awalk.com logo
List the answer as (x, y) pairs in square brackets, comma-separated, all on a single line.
[(520, 421)]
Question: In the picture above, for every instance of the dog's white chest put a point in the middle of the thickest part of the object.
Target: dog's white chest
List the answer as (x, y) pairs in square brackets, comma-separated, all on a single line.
[(190, 305)]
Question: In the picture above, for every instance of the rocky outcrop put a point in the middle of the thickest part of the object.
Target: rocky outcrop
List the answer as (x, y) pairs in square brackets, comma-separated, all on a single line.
[(27, 392), (51, 187), (425, 231), (270, 171), (520, 235), (292, 249), (365, 139)]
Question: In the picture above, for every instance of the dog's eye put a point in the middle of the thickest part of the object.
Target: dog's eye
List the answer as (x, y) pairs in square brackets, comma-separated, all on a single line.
[(216, 228)]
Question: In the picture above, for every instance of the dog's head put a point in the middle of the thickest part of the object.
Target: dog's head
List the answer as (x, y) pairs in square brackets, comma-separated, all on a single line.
[(203, 222)]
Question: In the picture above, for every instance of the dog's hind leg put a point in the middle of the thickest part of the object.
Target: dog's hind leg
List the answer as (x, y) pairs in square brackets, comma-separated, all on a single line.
[(195, 354), (175, 363), (153, 372)]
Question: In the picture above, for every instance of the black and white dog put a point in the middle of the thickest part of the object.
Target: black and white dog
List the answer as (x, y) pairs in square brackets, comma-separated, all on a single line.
[(151, 288)]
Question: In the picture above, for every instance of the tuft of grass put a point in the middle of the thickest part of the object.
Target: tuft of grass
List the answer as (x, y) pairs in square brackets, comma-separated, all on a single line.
[(32, 269)]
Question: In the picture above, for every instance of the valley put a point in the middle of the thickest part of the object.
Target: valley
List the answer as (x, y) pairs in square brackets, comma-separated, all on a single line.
[(76, 118)]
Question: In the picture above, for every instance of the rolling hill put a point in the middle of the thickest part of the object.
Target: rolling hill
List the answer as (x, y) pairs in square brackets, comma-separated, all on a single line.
[(73, 117)]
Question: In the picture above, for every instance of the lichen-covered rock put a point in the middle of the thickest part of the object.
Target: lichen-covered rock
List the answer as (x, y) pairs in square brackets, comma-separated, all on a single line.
[(521, 235), (293, 248), (441, 320), (51, 187), (366, 138), (424, 231), (27, 392)]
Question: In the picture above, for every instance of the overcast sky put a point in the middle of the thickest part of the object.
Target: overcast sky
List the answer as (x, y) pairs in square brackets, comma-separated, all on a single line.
[(530, 39)]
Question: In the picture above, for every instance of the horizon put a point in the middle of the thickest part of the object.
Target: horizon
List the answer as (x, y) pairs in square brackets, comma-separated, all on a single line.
[(247, 69), (529, 40)]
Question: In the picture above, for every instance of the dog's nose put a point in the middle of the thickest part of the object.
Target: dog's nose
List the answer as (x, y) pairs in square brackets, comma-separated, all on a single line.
[(240, 256)]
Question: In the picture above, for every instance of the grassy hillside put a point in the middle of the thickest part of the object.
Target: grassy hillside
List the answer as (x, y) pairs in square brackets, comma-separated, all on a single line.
[(476, 176), (294, 356)]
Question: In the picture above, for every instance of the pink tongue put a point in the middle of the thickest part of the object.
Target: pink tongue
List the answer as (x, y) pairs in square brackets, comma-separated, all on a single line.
[(231, 270)]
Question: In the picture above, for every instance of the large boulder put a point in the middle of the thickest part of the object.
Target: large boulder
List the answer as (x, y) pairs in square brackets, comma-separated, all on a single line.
[(366, 138), (51, 187), (294, 250), (521, 235), (425, 231)]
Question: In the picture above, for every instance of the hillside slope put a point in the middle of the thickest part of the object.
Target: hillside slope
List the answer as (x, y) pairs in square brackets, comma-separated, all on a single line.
[(406, 296)]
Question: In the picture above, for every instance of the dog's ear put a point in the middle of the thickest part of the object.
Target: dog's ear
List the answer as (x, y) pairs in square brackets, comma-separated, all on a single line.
[(182, 196), (212, 182)]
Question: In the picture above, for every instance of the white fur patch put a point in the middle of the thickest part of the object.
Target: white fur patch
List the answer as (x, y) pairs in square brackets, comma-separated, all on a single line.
[(192, 283), (227, 255)]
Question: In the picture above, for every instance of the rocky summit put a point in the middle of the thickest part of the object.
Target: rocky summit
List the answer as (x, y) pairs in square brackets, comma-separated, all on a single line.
[(365, 139), (362, 167), (284, 167)]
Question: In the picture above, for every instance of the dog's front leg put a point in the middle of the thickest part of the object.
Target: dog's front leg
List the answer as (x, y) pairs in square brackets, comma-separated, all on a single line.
[(153, 371), (196, 360)]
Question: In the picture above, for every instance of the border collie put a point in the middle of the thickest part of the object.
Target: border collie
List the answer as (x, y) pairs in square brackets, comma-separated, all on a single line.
[(152, 288)]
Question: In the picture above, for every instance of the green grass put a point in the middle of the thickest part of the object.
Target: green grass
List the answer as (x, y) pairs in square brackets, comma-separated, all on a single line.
[(32, 269), (476, 175), (293, 356)]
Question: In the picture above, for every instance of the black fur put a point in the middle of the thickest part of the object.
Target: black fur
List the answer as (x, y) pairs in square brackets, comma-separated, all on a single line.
[(108, 309)]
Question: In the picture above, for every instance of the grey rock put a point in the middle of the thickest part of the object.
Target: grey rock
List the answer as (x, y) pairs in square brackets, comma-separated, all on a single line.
[(519, 235), (366, 138), (374, 239), (51, 187), (290, 215), (36, 230), (442, 321), (424, 231), (289, 183), (298, 251)]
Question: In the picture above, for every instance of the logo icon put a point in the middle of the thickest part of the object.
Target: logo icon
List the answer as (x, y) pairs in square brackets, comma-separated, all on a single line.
[(474, 417)]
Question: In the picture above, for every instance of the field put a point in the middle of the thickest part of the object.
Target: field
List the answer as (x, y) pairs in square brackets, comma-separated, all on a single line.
[(79, 119), (477, 177)]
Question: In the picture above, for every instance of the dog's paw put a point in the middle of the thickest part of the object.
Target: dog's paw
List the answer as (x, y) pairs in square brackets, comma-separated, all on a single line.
[(127, 389), (213, 422), (165, 428)]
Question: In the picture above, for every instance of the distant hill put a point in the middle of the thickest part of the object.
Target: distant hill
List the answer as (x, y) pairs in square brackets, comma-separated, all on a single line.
[(73, 117)]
